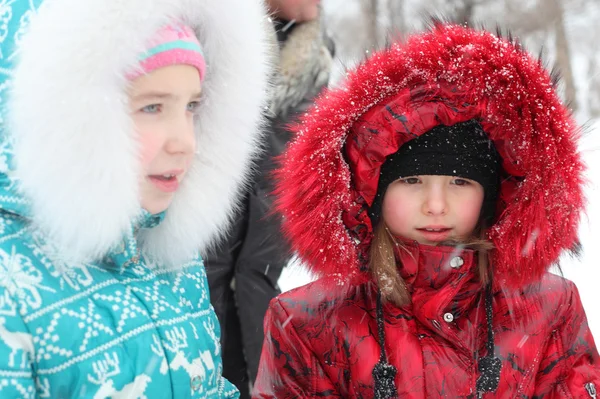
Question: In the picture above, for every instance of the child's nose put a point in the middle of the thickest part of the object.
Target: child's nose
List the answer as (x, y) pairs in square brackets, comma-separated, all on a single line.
[(182, 139), (435, 201)]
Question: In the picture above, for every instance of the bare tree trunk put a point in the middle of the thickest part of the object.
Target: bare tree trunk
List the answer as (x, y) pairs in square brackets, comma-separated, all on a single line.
[(371, 12), (563, 59), (396, 10), (531, 20), (464, 11), (593, 94)]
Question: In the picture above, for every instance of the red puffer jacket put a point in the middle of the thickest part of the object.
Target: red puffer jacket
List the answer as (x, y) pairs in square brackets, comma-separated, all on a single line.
[(525, 336), (323, 343)]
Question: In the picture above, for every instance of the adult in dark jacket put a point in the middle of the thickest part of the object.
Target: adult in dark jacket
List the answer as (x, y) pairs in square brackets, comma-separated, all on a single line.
[(244, 269)]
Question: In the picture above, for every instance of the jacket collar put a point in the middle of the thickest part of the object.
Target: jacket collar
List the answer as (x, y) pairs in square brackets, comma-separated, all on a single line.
[(126, 256), (431, 267)]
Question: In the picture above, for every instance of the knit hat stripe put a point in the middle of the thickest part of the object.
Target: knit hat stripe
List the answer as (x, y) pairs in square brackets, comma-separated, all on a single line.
[(171, 45), (176, 44)]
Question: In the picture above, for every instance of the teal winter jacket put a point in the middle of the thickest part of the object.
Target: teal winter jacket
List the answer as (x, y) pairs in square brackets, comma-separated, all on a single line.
[(98, 298), (113, 328)]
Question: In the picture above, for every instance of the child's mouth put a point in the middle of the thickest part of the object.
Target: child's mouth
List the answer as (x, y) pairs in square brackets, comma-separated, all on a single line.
[(435, 234), (167, 182)]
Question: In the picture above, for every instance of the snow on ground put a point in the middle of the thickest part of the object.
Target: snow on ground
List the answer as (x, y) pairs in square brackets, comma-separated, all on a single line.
[(294, 275)]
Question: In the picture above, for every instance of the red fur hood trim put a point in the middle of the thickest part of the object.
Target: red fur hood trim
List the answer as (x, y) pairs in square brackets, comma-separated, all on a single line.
[(450, 74)]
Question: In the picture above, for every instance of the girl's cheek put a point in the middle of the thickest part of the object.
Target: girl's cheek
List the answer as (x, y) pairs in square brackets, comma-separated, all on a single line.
[(394, 209), (149, 148), (471, 210)]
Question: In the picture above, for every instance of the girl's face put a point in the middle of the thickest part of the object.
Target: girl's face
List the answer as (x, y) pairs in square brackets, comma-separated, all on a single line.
[(432, 209), (162, 105)]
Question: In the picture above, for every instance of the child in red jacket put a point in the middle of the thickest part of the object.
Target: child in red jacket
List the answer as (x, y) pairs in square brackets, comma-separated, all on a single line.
[(432, 193)]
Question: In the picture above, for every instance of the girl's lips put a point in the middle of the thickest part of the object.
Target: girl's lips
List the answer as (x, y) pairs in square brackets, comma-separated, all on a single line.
[(167, 185), (438, 235)]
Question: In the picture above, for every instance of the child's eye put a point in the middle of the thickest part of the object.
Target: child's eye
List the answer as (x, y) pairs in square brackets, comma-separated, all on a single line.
[(410, 180), (193, 106), (152, 109), (461, 182)]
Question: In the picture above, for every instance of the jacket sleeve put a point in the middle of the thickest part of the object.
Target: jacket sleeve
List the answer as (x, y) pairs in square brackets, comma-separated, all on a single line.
[(288, 367), (570, 367), (230, 391), (16, 352)]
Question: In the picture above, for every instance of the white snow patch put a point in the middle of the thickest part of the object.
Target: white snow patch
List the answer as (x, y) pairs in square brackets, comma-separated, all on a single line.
[(586, 272)]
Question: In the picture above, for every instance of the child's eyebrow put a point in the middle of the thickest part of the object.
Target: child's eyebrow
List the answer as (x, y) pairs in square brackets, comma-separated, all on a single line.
[(154, 94), (163, 96)]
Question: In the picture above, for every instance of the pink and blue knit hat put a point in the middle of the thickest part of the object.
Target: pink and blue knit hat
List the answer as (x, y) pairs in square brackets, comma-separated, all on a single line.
[(173, 44)]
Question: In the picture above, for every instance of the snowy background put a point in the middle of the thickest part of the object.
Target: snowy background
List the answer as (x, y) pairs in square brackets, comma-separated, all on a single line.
[(357, 26)]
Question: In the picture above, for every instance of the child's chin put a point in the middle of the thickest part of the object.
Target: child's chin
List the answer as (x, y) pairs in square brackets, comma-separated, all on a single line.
[(159, 206)]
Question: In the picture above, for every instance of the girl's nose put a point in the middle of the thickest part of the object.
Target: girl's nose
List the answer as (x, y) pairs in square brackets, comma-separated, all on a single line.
[(435, 202), (182, 139)]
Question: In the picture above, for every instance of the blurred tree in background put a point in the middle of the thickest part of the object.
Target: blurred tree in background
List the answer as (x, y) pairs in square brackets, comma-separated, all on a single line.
[(566, 30)]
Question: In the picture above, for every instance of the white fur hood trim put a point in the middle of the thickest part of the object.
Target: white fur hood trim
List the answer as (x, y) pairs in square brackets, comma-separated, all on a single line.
[(75, 148)]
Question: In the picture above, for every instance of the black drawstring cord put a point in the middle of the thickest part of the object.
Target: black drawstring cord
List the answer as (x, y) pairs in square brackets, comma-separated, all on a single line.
[(489, 366), (383, 372)]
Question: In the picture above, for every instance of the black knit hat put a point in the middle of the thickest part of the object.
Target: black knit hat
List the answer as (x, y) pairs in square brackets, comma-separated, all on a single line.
[(462, 150)]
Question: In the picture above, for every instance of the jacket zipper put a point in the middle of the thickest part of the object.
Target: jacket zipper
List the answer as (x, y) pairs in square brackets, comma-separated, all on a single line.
[(590, 387)]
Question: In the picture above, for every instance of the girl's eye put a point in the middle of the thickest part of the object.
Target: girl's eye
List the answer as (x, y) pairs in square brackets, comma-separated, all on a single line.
[(461, 182), (193, 106), (152, 109), (410, 180)]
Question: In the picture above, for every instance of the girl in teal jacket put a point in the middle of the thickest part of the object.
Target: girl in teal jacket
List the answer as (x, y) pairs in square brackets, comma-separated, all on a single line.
[(127, 128)]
